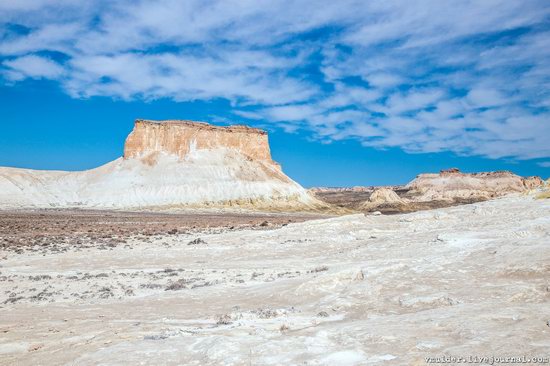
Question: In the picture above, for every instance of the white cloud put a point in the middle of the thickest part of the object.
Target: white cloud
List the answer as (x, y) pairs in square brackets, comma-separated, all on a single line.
[(425, 75), (296, 112), (427, 23), (51, 37), (32, 67), (485, 98), (413, 100), (185, 77), (248, 114), (383, 80)]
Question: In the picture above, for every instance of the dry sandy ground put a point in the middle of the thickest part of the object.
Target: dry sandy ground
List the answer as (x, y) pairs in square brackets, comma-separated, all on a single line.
[(461, 281), (50, 230)]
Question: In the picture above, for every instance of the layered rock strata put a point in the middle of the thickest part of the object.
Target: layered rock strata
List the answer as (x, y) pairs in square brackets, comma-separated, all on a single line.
[(180, 138), (452, 184)]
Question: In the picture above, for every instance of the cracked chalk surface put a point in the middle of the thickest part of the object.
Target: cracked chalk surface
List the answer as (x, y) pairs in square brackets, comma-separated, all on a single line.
[(351, 290)]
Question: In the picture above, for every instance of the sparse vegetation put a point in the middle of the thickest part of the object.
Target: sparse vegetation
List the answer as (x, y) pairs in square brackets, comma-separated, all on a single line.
[(318, 269), (266, 313), (40, 278), (106, 292), (177, 285), (224, 319), (197, 241), (13, 300)]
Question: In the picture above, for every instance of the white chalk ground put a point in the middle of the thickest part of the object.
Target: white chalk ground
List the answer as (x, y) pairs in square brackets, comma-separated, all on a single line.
[(354, 290)]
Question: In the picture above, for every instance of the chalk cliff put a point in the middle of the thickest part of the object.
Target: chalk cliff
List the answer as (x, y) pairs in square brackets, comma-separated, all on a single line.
[(168, 164), (182, 137)]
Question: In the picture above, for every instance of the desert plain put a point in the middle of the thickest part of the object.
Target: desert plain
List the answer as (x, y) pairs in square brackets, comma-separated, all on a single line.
[(275, 289)]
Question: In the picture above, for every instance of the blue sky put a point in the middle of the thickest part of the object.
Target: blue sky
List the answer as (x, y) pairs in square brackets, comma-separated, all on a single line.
[(352, 92)]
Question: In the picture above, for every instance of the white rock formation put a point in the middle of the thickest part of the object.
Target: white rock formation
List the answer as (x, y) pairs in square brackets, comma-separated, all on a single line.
[(167, 165), (452, 184), (383, 196)]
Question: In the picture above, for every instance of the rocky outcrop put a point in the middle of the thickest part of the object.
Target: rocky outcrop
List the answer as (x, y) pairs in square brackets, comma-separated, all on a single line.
[(385, 195), (168, 165), (545, 191), (384, 198), (452, 184), (180, 138), (533, 182), (428, 191)]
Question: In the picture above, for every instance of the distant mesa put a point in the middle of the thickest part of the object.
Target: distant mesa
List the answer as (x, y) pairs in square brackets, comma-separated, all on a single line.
[(451, 184), (427, 191), (168, 165)]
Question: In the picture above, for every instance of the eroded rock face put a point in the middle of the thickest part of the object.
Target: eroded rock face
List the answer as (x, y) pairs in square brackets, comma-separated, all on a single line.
[(385, 195), (452, 184), (385, 198), (183, 137), (429, 191)]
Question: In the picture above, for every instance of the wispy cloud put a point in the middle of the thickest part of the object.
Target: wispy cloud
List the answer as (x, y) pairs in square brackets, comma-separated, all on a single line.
[(32, 67), (426, 76)]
